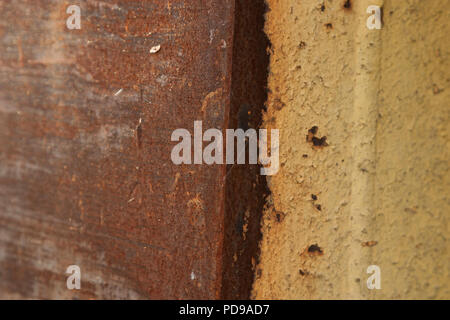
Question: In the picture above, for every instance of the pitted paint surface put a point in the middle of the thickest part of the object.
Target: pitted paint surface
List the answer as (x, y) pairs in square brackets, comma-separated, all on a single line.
[(378, 193)]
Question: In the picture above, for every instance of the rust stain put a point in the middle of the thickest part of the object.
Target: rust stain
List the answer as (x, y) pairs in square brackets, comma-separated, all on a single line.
[(316, 142), (20, 60), (89, 171), (211, 101), (369, 243)]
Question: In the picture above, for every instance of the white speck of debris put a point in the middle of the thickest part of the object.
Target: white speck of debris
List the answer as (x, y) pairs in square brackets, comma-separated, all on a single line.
[(131, 200), (140, 120), (118, 92), (162, 80), (155, 49), (192, 275), (224, 44)]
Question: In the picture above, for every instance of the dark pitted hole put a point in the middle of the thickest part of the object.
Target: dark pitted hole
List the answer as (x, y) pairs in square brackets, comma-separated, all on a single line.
[(348, 4), (315, 249), (322, 142), (313, 130), (302, 273)]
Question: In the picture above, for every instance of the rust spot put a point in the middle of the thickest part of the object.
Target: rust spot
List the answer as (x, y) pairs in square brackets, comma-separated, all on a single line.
[(316, 142), (139, 134), (278, 104), (348, 5), (303, 272), (411, 210), (322, 142), (369, 243), (313, 130), (314, 249), (279, 215), (436, 89)]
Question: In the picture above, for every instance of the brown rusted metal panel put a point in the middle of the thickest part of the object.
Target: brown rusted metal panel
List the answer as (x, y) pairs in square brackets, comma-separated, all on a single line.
[(246, 189), (86, 176)]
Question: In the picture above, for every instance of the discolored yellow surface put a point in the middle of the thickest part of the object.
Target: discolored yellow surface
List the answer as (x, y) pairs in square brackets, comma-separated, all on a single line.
[(375, 191)]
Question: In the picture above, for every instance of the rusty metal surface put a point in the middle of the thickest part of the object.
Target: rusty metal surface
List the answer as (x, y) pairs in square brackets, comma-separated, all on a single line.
[(85, 171), (246, 189)]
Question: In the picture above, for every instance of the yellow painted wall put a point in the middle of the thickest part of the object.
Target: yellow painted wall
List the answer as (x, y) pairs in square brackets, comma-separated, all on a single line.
[(381, 182)]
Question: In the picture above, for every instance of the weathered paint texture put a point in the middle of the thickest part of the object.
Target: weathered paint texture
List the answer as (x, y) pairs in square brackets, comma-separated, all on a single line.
[(364, 151), (86, 177)]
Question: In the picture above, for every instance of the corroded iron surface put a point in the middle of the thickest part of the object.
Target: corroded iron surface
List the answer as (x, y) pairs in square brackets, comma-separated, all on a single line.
[(86, 176)]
